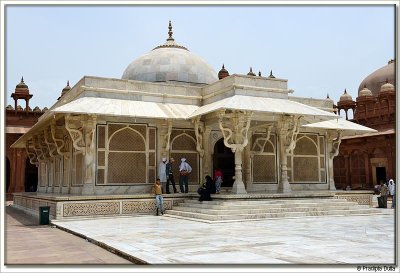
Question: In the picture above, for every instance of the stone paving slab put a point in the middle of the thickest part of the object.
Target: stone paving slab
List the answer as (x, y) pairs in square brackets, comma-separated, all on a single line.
[(28, 243), (320, 240)]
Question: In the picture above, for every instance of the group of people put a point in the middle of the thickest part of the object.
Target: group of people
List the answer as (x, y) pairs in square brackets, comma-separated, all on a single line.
[(166, 177), (210, 186), (384, 190)]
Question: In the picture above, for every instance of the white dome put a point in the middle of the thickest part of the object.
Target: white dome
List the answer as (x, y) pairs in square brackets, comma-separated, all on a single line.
[(167, 64), (170, 62)]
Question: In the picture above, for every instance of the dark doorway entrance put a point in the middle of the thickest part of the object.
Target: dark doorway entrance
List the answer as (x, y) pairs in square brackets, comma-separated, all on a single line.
[(380, 174), (224, 159), (31, 177)]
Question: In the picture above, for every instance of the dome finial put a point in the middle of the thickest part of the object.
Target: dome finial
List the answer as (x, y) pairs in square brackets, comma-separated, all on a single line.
[(251, 73), (22, 79), (327, 96), (345, 91), (170, 32), (67, 83), (270, 75)]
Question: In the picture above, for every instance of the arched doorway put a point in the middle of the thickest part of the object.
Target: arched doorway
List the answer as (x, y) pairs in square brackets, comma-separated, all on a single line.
[(31, 177), (224, 159), (8, 172)]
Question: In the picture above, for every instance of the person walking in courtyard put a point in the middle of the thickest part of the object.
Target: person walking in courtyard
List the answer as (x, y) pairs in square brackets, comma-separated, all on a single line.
[(162, 173), (159, 198), (184, 170), (382, 200), (392, 192), (170, 175), (218, 178)]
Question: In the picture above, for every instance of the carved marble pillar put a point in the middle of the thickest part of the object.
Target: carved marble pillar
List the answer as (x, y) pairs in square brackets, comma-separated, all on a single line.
[(235, 128), (165, 137), (208, 152), (288, 128), (333, 142), (89, 129), (60, 139), (199, 131), (84, 140)]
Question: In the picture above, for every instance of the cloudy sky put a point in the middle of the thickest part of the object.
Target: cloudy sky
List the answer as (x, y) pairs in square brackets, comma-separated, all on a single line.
[(319, 49)]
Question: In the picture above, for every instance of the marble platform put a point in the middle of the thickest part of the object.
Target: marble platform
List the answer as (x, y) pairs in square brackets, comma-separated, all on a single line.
[(323, 240)]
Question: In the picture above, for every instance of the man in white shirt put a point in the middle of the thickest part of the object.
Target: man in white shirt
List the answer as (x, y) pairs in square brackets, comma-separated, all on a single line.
[(162, 173), (184, 170)]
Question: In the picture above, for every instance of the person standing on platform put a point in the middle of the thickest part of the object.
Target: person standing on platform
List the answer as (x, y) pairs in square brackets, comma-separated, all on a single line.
[(159, 198), (382, 200), (184, 170), (170, 175), (162, 174), (392, 192)]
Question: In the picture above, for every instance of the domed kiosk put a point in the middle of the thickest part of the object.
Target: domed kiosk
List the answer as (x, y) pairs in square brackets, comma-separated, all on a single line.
[(107, 137), (170, 62)]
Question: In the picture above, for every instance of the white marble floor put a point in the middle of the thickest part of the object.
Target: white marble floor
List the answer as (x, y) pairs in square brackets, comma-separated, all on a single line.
[(313, 240)]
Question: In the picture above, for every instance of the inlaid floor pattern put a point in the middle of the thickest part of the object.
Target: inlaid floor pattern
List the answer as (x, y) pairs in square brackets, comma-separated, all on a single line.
[(245, 210)]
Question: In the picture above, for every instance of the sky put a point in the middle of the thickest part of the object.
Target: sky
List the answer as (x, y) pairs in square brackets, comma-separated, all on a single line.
[(319, 49)]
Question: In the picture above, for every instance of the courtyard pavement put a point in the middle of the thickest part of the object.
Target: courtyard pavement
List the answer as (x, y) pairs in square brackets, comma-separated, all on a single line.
[(27, 244), (322, 240)]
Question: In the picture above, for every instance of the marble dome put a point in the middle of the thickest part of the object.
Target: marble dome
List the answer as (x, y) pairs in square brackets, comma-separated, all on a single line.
[(376, 79), (170, 62)]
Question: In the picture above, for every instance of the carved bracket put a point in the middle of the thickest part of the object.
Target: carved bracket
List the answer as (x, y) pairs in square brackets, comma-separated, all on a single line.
[(291, 136), (59, 142), (75, 132), (235, 129), (167, 137), (262, 141), (31, 154), (52, 147), (199, 130), (335, 145), (37, 148)]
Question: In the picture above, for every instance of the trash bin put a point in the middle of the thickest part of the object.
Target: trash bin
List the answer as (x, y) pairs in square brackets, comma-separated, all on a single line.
[(44, 214)]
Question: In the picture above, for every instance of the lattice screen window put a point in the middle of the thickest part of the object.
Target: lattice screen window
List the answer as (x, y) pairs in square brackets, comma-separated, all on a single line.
[(43, 174), (57, 171), (264, 158), (50, 173), (152, 155), (183, 144), (101, 154), (66, 168), (123, 153), (77, 169), (306, 159)]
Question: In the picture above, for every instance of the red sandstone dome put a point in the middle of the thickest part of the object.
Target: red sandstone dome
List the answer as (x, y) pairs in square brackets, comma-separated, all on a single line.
[(376, 79)]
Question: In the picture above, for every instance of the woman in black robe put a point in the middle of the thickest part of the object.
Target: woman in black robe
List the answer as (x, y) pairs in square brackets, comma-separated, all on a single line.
[(205, 189)]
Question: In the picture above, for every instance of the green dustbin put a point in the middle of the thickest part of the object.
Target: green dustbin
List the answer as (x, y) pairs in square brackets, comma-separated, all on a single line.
[(44, 214)]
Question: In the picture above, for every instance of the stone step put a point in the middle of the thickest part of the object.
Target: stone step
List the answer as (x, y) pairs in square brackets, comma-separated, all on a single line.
[(271, 201), (256, 210), (211, 217), (234, 205)]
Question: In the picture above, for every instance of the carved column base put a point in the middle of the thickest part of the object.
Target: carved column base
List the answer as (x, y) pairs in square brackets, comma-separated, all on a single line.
[(284, 187), (332, 186), (238, 187), (88, 189)]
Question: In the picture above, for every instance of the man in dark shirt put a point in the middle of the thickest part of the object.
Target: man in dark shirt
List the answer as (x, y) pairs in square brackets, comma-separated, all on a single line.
[(170, 175)]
